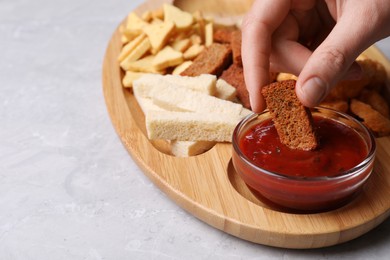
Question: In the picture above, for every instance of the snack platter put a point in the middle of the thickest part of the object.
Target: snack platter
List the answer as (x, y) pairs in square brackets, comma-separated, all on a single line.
[(207, 185)]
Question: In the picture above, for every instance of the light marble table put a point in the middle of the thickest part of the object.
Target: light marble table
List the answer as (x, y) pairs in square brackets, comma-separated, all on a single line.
[(68, 188)]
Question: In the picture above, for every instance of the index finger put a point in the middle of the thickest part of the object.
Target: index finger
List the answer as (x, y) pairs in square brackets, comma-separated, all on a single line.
[(257, 29)]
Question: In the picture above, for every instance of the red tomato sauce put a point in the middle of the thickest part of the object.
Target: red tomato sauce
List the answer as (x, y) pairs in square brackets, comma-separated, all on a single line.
[(340, 149)]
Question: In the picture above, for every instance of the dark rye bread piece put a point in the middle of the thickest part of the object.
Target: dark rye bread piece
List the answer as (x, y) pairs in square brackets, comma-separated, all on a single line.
[(212, 60), (292, 120), (234, 75), (222, 35), (236, 47)]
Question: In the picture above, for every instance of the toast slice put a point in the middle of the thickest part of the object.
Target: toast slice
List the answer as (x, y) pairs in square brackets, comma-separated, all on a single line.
[(236, 47), (212, 60), (292, 120), (222, 35), (234, 75)]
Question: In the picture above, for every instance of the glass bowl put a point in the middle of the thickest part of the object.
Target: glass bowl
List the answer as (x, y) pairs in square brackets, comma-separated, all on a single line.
[(304, 193)]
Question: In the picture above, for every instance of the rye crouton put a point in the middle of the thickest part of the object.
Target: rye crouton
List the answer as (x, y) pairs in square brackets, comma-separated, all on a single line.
[(222, 35), (236, 47), (234, 75), (292, 120), (212, 60)]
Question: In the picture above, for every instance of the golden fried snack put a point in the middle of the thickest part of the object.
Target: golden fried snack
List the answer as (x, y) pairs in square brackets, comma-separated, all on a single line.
[(374, 77), (376, 101), (285, 76), (375, 72), (347, 89), (374, 120), (339, 105)]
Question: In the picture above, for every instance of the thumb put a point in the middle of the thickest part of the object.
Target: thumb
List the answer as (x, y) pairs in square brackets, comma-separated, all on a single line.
[(332, 61)]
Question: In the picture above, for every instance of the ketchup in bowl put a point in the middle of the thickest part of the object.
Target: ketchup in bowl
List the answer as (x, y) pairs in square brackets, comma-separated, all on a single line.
[(317, 180)]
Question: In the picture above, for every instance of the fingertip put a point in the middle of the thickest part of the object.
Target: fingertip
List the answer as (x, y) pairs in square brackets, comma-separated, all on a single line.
[(312, 91), (257, 103)]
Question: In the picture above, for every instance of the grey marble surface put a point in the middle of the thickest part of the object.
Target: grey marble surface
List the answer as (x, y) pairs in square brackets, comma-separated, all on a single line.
[(68, 188)]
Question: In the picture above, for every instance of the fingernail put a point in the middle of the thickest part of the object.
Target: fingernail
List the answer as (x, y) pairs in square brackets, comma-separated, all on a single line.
[(314, 91)]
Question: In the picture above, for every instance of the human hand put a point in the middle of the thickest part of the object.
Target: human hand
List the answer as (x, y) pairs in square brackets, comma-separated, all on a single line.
[(318, 40)]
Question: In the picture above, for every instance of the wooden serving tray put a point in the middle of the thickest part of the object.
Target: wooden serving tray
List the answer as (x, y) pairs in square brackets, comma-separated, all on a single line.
[(207, 185)]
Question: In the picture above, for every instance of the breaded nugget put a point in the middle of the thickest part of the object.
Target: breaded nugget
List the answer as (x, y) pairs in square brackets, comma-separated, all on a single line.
[(375, 100), (292, 120), (347, 89), (339, 105), (212, 60), (374, 120), (375, 72), (374, 77)]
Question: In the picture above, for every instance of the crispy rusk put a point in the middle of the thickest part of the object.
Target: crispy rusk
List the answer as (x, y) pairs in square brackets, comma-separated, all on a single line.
[(292, 120), (223, 35), (234, 75), (212, 60), (236, 47)]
